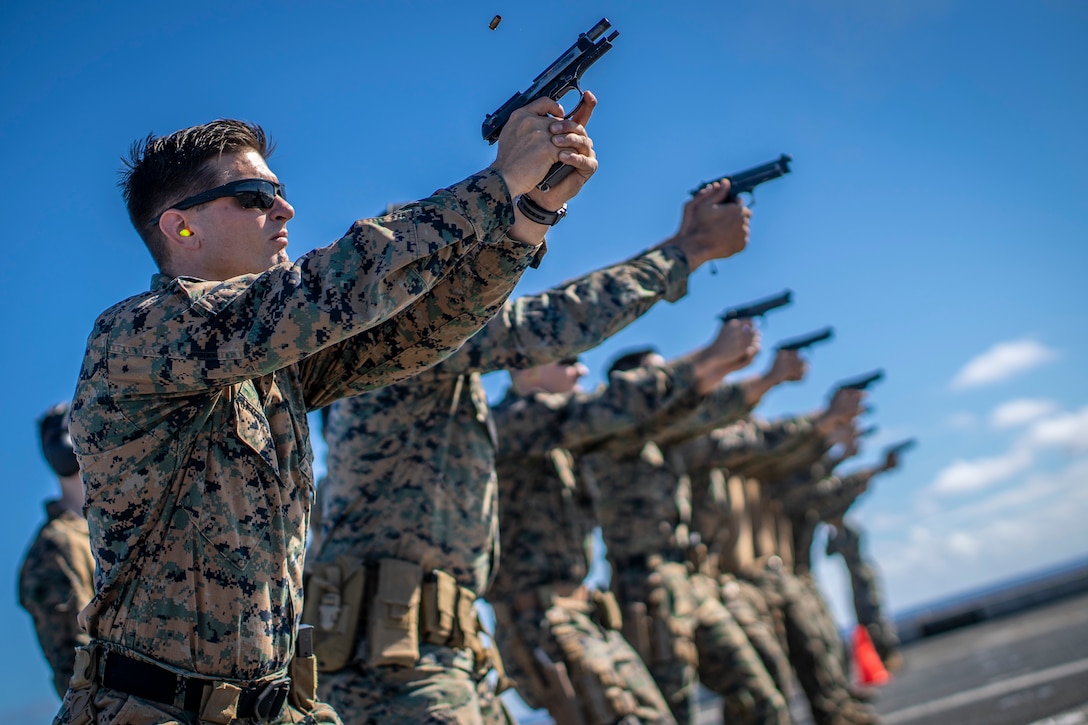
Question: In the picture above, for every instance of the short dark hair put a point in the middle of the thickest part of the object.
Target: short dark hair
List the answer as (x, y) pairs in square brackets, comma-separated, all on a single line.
[(631, 360), (161, 170), (56, 443)]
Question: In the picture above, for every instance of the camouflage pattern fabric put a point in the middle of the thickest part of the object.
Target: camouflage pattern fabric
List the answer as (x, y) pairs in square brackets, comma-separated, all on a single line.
[(639, 514), (733, 448), (549, 500), (845, 540), (189, 419), (640, 520), (109, 707), (441, 688), (56, 580), (609, 682), (692, 637), (411, 467), (549, 512), (749, 608), (813, 645)]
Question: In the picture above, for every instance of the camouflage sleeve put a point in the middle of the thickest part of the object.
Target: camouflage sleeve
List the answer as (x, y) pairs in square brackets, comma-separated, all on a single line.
[(189, 335), (789, 461), (574, 316), (533, 425), (743, 443), (424, 333), (724, 406), (836, 503), (825, 496), (52, 591)]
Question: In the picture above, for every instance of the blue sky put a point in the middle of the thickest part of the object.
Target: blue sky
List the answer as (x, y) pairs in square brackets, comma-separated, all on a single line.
[(936, 215)]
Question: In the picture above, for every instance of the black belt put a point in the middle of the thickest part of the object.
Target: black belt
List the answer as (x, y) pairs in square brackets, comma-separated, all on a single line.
[(262, 702)]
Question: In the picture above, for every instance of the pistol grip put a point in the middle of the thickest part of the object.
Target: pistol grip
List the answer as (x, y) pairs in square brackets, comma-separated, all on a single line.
[(556, 173)]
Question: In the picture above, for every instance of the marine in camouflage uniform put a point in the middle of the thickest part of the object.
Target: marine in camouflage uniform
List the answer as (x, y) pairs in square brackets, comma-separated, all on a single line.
[(412, 488), (828, 502), (675, 617), (559, 640), (706, 461), (812, 641), (189, 417), (845, 540), (56, 579)]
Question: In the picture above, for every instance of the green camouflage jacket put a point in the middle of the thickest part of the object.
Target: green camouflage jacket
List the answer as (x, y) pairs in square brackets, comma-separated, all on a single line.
[(55, 582), (189, 419), (412, 466), (548, 504)]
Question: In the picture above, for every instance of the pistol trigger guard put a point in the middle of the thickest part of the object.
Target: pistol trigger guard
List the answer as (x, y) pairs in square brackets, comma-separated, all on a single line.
[(575, 86)]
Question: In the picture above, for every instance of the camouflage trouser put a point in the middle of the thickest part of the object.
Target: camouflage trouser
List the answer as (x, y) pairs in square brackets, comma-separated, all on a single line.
[(868, 604), (584, 673), (689, 624), (748, 606), (87, 703), (441, 688), (815, 648)]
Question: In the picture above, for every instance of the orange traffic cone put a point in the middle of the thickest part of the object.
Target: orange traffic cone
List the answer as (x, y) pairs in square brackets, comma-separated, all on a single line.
[(869, 668)]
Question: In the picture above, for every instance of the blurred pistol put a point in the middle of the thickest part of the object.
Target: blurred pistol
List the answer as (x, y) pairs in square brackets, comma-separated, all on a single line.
[(559, 78), (745, 182), (901, 447), (757, 309), (800, 343), (863, 382)]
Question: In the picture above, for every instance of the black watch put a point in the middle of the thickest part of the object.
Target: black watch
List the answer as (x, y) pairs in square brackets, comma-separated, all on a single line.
[(535, 212)]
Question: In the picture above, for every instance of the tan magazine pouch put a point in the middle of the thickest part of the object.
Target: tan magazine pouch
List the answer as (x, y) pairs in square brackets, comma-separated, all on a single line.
[(608, 610), (438, 609), (393, 619), (334, 605)]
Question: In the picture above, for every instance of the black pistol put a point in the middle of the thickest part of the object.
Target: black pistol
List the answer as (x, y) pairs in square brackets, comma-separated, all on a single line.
[(800, 343), (745, 182), (561, 77), (900, 447), (863, 382), (757, 309)]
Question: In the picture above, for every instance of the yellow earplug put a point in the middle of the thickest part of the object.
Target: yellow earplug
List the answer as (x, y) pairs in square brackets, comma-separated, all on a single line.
[(185, 233)]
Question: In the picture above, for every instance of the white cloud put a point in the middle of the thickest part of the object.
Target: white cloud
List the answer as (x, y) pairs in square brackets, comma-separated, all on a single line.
[(1002, 361), (1068, 430), (1034, 525), (1021, 411), (966, 476)]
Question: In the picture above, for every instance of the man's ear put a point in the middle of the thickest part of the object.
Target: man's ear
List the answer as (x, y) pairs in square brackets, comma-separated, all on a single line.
[(177, 229)]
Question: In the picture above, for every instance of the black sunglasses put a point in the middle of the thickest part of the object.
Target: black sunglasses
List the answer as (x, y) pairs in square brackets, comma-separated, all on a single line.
[(250, 193)]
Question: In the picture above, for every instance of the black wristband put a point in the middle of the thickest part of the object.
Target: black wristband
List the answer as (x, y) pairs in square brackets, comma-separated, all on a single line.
[(536, 213)]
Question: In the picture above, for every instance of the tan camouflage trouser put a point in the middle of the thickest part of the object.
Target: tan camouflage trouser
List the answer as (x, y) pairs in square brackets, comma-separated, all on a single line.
[(441, 688), (746, 603), (584, 673), (693, 636), (814, 646)]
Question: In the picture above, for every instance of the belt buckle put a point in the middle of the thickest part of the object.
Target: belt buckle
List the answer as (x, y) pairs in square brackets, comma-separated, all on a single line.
[(270, 701)]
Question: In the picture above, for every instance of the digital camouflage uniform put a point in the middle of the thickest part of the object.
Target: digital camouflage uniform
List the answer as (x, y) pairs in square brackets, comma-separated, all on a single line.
[(676, 618), (189, 420), (845, 540), (708, 460), (55, 582), (813, 642), (412, 481), (557, 638)]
